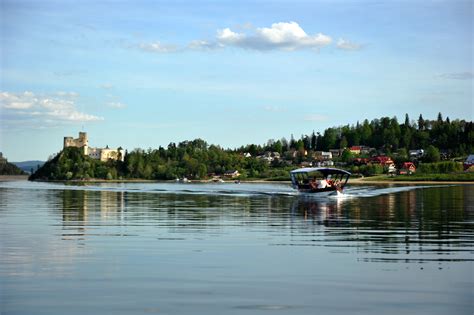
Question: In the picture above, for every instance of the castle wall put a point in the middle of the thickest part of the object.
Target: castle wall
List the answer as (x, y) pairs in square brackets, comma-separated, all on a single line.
[(102, 154)]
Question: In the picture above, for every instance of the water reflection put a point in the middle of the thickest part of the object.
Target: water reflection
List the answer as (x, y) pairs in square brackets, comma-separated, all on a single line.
[(127, 252), (415, 226), (418, 225)]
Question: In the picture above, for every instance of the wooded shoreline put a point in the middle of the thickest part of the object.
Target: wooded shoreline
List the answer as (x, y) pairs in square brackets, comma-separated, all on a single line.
[(354, 181)]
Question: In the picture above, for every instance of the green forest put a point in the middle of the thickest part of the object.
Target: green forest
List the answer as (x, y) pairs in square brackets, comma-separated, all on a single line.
[(197, 159), (7, 168)]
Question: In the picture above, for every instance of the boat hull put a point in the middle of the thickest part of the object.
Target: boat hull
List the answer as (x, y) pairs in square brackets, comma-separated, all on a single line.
[(321, 190)]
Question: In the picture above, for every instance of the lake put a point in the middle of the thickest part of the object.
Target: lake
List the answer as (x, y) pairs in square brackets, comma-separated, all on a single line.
[(169, 248)]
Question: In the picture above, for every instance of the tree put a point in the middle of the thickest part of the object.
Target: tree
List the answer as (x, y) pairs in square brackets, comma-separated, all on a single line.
[(314, 141), (421, 123), (343, 143), (431, 154), (346, 155), (440, 118)]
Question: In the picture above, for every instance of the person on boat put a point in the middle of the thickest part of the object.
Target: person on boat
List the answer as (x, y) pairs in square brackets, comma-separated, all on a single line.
[(322, 184), (313, 183)]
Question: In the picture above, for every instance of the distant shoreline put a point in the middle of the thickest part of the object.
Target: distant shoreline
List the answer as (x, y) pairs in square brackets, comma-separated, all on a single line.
[(354, 181), (367, 180), (9, 178)]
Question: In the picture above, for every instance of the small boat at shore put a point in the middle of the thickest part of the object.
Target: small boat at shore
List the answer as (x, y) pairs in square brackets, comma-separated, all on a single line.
[(319, 179)]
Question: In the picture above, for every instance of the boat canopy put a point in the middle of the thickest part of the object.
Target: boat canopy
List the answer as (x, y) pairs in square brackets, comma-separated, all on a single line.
[(300, 178), (323, 170)]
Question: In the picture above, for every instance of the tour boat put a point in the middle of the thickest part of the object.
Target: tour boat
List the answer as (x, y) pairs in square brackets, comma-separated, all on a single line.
[(319, 179)]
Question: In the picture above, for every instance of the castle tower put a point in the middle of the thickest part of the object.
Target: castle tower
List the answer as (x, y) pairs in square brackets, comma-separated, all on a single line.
[(81, 142)]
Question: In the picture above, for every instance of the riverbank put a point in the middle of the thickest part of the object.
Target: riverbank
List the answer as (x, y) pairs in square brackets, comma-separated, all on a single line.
[(432, 179), (355, 181), (8, 178)]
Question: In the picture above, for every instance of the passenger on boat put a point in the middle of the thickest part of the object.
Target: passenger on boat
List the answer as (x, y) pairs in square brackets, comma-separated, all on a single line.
[(322, 184)]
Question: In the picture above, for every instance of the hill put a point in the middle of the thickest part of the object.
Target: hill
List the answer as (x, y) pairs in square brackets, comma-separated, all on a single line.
[(27, 166), (440, 139), (7, 168)]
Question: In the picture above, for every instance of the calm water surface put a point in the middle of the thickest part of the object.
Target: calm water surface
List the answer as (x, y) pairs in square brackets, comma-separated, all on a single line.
[(234, 249)]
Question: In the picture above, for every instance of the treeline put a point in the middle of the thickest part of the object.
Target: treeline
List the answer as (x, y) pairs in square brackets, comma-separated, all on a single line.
[(192, 159), (386, 134), (7, 168), (198, 160)]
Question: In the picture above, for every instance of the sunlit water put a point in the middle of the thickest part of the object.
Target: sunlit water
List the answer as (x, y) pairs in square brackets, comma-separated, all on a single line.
[(172, 248)]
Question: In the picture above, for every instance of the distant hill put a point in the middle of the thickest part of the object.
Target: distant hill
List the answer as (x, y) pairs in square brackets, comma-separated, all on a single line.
[(28, 165), (7, 168)]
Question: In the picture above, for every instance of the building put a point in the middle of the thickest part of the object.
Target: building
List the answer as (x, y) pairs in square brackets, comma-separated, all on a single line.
[(391, 169), (382, 160), (416, 153), (407, 168), (360, 149), (355, 149), (336, 152), (81, 142), (103, 154), (322, 155), (232, 174), (469, 162)]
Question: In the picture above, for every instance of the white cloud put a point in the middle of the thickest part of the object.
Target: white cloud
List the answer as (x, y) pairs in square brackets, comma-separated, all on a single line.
[(116, 105), (457, 75), (347, 45), (286, 36), (158, 47), (226, 36), (203, 45), (67, 94), (315, 117), (280, 36), (58, 107), (21, 101)]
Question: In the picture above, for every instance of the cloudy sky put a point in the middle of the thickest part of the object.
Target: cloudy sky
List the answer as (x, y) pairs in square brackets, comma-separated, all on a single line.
[(146, 73)]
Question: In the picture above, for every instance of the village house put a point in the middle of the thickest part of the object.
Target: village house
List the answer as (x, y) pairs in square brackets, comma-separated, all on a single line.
[(360, 149), (336, 152), (324, 163), (322, 155), (355, 149), (382, 160), (407, 168), (360, 161), (232, 174), (416, 153), (392, 169), (469, 162)]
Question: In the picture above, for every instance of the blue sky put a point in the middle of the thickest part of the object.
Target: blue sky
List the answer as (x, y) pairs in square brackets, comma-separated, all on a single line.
[(146, 73)]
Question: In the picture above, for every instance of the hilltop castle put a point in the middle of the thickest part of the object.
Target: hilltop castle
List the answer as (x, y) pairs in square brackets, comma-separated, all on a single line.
[(102, 154)]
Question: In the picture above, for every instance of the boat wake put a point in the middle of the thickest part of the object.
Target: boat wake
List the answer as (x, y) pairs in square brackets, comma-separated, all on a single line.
[(224, 189)]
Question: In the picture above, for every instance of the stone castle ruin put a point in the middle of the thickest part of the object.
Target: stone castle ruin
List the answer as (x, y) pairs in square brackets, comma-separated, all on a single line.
[(102, 154)]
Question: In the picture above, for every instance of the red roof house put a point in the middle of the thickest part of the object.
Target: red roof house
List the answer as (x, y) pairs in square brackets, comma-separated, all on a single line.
[(408, 168), (382, 160)]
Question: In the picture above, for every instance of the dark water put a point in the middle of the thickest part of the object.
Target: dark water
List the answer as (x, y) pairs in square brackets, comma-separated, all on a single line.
[(234, 249)]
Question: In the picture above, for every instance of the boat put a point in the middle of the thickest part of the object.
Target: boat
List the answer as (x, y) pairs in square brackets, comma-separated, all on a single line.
[(183, 180), (319, 179)]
